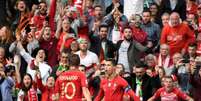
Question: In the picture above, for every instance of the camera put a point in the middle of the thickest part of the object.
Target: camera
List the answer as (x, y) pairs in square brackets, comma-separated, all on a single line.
[(9, 70)]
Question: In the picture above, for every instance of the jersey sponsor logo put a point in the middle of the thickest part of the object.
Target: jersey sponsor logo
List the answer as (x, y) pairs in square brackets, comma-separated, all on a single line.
[(174, 37)]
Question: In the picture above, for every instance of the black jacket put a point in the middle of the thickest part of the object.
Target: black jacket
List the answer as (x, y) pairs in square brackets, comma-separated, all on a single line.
[(148, 85), (96, 46)]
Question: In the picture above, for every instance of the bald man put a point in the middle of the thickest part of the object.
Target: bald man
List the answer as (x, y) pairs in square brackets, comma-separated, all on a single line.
[(177, 35)]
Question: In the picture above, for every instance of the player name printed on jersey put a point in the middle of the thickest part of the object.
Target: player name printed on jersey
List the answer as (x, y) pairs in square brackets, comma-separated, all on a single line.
[(68, 88), (70, 78), (69, 85)]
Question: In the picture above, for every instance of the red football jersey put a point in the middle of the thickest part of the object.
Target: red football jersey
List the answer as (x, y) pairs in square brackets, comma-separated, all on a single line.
[(69, 85), (112, 90), (175, 95)]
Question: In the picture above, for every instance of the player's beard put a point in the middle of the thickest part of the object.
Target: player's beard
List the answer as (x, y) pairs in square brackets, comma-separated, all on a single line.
[(83, 50), (139, 77), (128, 38)]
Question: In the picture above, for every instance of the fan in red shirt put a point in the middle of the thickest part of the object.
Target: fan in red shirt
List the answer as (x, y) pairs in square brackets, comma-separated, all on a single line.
[(46, 90), (177, 35), (113, 87), (138, 34), (42, 15), (65, 34), (72, 84), (169, 92), (49, 43)]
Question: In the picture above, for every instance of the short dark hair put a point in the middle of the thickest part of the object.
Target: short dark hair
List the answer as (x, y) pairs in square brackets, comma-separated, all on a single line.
[(50, 77), (111, 60), (126, 27), (74, 60), (98, 6), (36, 50), (141, 64), (42, 2), (154, 5), (103, 26), (146, 10)]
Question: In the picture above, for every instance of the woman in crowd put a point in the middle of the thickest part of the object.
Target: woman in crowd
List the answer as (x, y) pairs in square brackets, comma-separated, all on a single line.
[(28, 89), (6, 38)]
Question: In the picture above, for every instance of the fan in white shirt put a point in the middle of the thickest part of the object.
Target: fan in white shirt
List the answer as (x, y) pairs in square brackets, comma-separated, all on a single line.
[(87, 58), (36, 64)]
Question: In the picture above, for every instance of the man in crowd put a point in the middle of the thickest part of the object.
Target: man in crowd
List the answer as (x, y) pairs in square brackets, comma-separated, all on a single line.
[(42, 15), (195, 79), (128, 50), (177, 35), (95, 20), (143, 85), (87, 58), (152, 29), (164, 59), (181, 70), (62, 66), (100, 45)]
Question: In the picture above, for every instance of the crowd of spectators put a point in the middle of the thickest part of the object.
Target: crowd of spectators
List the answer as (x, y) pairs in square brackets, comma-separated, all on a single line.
[(100, 50)]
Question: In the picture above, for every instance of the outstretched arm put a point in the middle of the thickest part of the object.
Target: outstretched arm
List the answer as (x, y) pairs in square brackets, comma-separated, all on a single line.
[(17, 63), (86, 93)]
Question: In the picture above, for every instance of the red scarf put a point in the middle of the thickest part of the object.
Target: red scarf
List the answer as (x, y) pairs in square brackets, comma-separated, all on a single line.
[(199, 24), (165, 63), (31, 95)]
